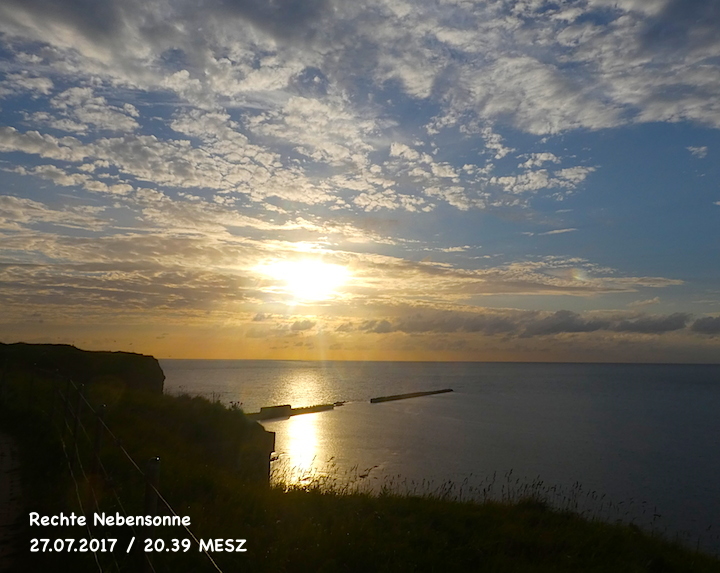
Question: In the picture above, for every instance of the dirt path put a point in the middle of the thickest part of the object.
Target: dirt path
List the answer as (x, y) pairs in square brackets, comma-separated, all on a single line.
[(10, 501)]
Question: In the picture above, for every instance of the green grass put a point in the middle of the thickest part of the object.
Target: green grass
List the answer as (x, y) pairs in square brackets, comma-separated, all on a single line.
[(324, 525)]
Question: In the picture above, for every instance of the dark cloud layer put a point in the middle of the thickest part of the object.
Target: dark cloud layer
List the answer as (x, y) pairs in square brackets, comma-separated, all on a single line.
[(565, 321), (528, 324), (707, 325), (684, 25), (654, 324), (282, 18), (96, 19)]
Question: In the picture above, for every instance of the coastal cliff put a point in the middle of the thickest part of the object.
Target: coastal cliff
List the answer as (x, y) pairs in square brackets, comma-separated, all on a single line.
[(131, 386), (135, 371)]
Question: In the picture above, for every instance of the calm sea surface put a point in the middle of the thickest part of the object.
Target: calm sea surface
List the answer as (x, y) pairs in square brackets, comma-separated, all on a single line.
[(647, 437)]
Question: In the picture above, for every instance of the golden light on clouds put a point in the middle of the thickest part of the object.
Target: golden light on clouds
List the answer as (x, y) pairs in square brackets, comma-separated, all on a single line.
[(307, 280)]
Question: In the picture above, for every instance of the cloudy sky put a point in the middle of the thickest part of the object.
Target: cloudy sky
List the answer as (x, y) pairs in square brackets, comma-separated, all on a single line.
[(428, 180)]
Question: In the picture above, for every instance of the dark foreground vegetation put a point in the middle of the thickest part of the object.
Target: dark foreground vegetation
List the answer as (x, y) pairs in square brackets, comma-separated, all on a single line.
[(311, 528)]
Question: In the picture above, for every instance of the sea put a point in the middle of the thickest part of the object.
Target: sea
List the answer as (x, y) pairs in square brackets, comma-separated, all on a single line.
[(638, 443)]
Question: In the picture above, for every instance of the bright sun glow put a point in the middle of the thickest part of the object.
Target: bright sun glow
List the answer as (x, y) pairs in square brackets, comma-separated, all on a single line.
[(308, 280), (302, 445)]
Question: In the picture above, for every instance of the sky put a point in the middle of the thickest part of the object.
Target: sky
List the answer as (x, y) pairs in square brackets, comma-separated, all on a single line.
[(511, 180)]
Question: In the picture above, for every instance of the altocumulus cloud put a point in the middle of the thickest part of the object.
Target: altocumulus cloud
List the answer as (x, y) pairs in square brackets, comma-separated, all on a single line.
[(206, 55), (299, 325)]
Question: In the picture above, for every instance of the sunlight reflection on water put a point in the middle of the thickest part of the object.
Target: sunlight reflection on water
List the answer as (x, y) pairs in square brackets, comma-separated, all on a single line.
[(301, 446), (301, 388)]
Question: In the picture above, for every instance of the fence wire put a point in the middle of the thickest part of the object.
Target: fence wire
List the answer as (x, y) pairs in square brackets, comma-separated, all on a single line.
[(74, 413)]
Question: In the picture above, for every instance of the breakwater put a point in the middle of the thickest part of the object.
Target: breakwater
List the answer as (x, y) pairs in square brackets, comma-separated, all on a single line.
[(408, 395), (286, 410)]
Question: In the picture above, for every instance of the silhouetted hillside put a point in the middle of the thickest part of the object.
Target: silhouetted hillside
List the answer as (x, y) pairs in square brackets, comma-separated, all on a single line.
[(136, 371)]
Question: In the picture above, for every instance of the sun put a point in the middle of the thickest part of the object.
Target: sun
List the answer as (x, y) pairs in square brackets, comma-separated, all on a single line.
[(308, 280)]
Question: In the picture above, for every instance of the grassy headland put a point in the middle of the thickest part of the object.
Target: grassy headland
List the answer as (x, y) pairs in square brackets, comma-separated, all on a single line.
[(309, 528)]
